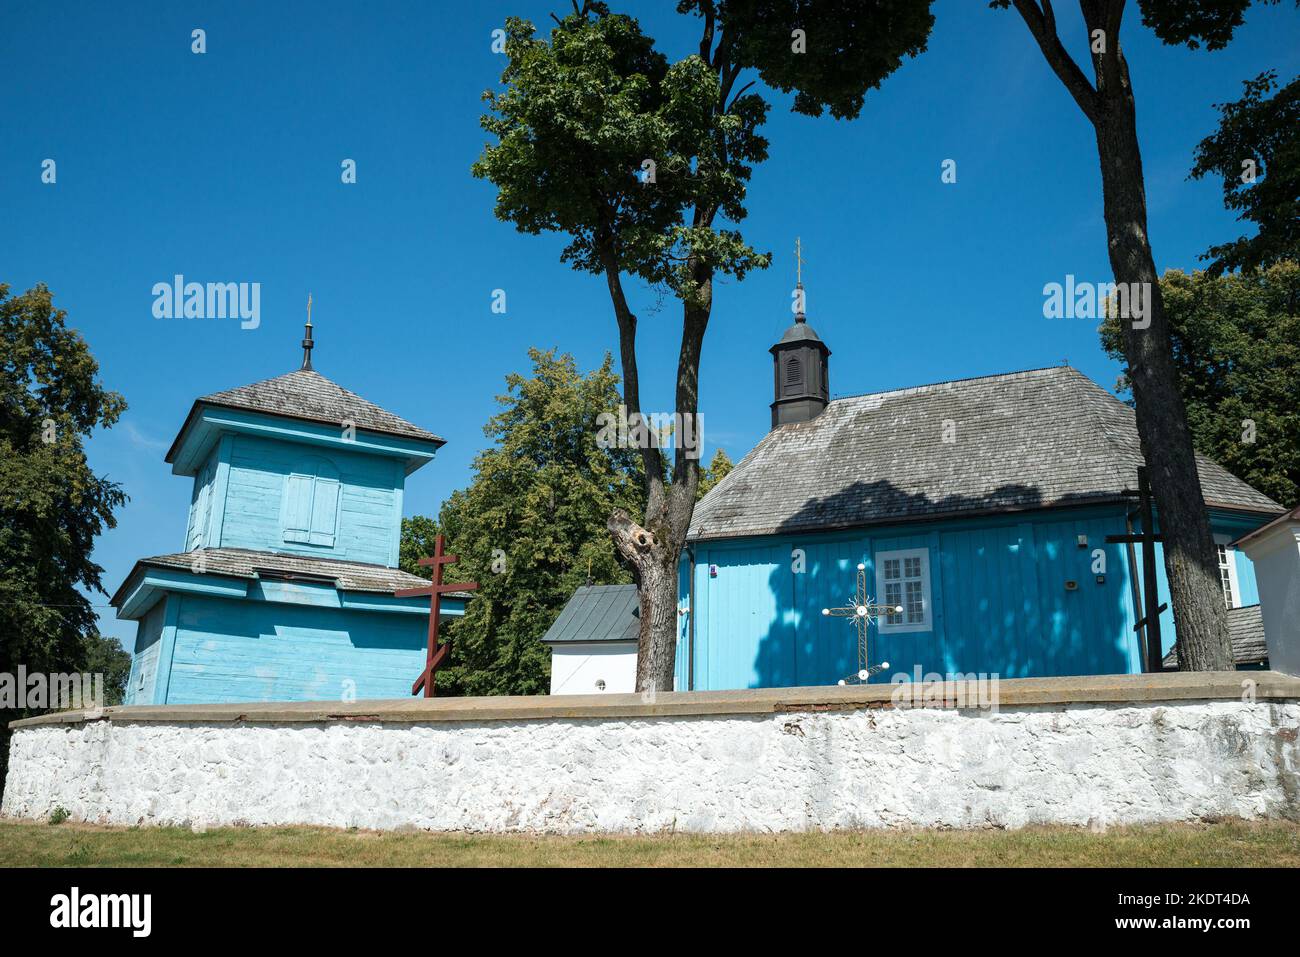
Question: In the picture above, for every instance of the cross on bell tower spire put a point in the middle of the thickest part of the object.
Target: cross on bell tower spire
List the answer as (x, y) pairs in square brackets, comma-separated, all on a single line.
[(307, 343), (799, 315), (801, 374)]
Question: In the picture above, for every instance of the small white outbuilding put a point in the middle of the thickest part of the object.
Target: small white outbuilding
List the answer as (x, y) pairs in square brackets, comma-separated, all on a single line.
[(593, 642), (1275, 551)]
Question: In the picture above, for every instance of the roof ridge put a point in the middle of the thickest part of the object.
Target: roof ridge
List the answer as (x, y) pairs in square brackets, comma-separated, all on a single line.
[(286, 395), (974, 378), (251, 385)]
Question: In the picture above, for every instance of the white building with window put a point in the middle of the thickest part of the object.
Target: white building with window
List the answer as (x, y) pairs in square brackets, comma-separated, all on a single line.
[(593, 641)]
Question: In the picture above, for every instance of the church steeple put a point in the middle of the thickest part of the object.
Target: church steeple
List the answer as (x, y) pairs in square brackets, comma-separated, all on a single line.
[(800, 367), (307, 343)]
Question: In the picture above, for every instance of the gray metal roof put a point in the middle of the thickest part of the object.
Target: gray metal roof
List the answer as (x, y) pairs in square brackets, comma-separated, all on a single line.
[(800, 331), (598, 613), (1034, 439), (246, 563), (306, 394), (1246, 628)]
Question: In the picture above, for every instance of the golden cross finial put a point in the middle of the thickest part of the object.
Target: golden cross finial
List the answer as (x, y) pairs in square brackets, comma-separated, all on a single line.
[(798, 262)]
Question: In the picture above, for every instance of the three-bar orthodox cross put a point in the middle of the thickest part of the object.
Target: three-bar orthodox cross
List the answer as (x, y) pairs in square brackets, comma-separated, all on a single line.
[(862, 612), (436, 655)]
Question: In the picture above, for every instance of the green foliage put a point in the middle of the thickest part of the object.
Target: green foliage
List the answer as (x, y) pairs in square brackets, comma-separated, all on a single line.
[(530, 528), (59, 815), (718, 468), (1236, 342), (106, 656), (577, 120), (52, 506), (851, 46), (418, 536), (1266, 130), (1192, 22)]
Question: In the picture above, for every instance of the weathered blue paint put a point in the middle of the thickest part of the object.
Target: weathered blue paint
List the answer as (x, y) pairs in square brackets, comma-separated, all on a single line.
[(278, 485), (259, 651), (251, 490), (999, 601), (208, 425), (1226, 526), (144, 665)]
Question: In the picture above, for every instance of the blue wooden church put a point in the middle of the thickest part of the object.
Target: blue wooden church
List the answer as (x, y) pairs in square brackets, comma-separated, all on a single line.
[(283, 589), (980, 507)]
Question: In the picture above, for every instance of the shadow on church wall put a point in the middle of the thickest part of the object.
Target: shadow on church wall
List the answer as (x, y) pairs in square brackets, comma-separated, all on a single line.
[(998, 589)]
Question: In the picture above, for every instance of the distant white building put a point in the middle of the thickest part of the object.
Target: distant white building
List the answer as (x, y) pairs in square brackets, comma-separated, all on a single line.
[(593, 642), (1275, 550)]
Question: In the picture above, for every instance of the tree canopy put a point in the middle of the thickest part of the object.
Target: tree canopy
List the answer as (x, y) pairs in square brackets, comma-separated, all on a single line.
[(530, 528), (1236, 345), (581, 116), (1256, 151), (52, 504), (847, 48)]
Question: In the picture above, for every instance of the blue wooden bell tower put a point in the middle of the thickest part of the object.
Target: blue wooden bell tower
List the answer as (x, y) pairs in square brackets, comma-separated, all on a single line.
[(283, 590)]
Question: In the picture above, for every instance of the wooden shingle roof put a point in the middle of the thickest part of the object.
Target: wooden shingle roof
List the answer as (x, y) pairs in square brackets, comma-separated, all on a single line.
[(306, 394), (1034, 439), (249, 564), (1246, 629)]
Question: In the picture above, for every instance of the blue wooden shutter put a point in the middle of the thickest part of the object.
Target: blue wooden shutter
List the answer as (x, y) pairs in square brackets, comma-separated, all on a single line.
[(298, 507), (311, 506), (324, 511)]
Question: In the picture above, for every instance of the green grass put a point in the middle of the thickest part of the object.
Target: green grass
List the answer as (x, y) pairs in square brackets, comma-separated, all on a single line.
[(1222, 844)]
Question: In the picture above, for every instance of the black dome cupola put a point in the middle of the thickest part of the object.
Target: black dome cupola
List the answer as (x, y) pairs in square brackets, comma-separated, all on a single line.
[(800, 370)]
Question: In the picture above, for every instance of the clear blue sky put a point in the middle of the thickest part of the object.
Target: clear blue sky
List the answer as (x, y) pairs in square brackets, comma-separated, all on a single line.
[(225, 167)]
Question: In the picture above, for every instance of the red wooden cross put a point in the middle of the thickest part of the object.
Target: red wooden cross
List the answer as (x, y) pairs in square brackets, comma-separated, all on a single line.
[(437, 654)]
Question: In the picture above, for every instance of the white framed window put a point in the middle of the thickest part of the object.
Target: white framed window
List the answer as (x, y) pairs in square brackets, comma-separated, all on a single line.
[(903, 579), (1228, 572)]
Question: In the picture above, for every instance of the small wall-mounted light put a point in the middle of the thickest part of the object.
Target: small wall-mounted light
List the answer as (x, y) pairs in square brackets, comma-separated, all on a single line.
[(1071, 585), (600, 684), (1083, 541), (713, 571)]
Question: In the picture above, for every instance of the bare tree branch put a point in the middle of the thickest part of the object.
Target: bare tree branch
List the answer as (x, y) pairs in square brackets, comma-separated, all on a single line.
[(1042, 25)]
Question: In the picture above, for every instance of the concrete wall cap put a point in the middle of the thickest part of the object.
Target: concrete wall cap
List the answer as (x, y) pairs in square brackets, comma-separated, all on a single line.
[(1011, 692)]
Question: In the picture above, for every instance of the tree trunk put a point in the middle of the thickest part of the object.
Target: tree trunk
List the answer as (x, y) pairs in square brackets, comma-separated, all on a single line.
[(653, 549), (1191, 562), (655, 563)]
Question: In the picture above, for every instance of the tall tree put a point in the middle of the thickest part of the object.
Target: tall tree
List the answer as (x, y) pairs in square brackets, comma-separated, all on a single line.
[(1108, 102), (1256, 150), (578, 116), (52, 505), (1236, 343), (530, 528)]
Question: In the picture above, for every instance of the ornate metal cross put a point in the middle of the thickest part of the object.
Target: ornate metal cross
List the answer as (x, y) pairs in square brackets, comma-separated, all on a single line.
[(862, 612), (436, 656)]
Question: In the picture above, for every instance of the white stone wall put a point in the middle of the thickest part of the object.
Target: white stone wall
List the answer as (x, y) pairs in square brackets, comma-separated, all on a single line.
[(1098, 764)]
